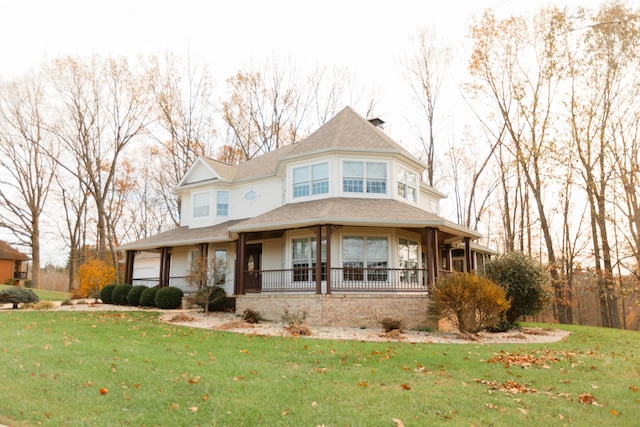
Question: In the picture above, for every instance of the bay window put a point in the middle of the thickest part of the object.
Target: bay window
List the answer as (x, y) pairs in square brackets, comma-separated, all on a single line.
[(311, 180), (407, 185), (364, 177)]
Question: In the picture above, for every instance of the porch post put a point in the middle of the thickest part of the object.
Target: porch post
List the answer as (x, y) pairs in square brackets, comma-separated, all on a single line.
[(128, 266), (162, 262), (318, 259), (436, 255), (240, 262), (328, 259), (430, 256), (167, 267), (467, 255)]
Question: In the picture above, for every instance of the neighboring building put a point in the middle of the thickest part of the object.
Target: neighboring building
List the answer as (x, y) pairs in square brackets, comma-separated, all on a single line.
[(347, 186), (13, 265)]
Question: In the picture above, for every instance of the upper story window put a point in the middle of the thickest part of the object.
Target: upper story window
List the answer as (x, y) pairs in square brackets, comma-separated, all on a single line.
[(311, 180), (222, 203), (407, 185), (364, 177), (201, 204)]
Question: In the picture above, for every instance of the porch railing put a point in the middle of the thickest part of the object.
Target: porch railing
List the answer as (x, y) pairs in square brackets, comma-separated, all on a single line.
[(304, 280), (342, 280)]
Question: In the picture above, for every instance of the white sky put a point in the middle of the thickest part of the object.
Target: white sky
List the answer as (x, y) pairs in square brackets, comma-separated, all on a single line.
[(367, 38)]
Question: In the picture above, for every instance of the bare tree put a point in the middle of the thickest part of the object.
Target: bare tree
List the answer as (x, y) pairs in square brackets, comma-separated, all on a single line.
[(27, 169), (426, 71), (277, 105), (522, 92), (101, 109), (184, 128)]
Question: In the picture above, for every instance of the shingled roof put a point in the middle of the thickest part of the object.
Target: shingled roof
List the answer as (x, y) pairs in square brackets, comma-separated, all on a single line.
[(347, 130), (7, 252)]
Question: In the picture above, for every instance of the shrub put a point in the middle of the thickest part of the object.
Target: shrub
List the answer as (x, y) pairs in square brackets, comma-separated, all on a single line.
[(106, 294), (148, 296), (168, 297), (76, 293), (295, 323), (119, 294), (94, 274), (389, 324), (40, 305), (251, 316), (133, 298), (16, 295), (67, 302), (524, 281), (211, 298), (471, 302)]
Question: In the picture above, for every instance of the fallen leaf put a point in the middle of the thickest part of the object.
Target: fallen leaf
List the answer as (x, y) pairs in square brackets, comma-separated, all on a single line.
[(173, 406), (363, 384), (587, 399), (193, 408), (405, 386), (398, 422), (104, 390)]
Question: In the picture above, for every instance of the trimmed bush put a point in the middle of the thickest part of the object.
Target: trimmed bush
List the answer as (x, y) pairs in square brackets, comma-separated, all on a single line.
[(106, 294), (119, 294), (471, 302), (524, 281), (169, 297), (134, 295), (216, 295), (148, 297), (16, 295)]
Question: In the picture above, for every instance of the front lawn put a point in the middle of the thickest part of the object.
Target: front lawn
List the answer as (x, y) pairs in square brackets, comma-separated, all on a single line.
[(126, 368)]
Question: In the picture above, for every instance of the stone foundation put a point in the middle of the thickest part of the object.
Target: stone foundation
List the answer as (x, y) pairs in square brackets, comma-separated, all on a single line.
[(347, 310)]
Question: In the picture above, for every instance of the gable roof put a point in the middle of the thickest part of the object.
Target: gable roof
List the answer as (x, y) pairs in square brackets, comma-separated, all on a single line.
[(347, 130), (7, 252)]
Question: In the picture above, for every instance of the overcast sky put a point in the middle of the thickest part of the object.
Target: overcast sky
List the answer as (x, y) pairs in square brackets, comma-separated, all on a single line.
[(367, 38)]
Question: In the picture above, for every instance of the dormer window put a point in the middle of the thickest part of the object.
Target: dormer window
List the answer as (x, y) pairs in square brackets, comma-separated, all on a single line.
[(311, 180), (201, 204), (364, 177), (407, 185)]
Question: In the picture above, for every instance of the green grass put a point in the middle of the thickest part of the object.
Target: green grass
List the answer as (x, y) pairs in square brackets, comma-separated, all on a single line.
[(55, 363), (45, 295)]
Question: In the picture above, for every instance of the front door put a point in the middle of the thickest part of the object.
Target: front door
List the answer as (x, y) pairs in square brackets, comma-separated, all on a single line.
[(252, 266)]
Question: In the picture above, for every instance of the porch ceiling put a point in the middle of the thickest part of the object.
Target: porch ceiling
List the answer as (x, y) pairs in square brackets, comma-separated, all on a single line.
[(350, 211)]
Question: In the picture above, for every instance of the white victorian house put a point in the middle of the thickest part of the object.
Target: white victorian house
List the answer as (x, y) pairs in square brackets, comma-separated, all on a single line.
[(338, 226)]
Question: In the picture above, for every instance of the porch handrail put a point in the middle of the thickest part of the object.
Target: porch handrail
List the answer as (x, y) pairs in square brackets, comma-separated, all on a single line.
[(343, 279)]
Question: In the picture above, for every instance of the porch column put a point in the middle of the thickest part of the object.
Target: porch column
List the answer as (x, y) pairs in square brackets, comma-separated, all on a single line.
[(430, 256), (128, 266), (242, 241), (163, 279), (318, 259), (328, 259), (167, 267), (467, 255), (436, 256)]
